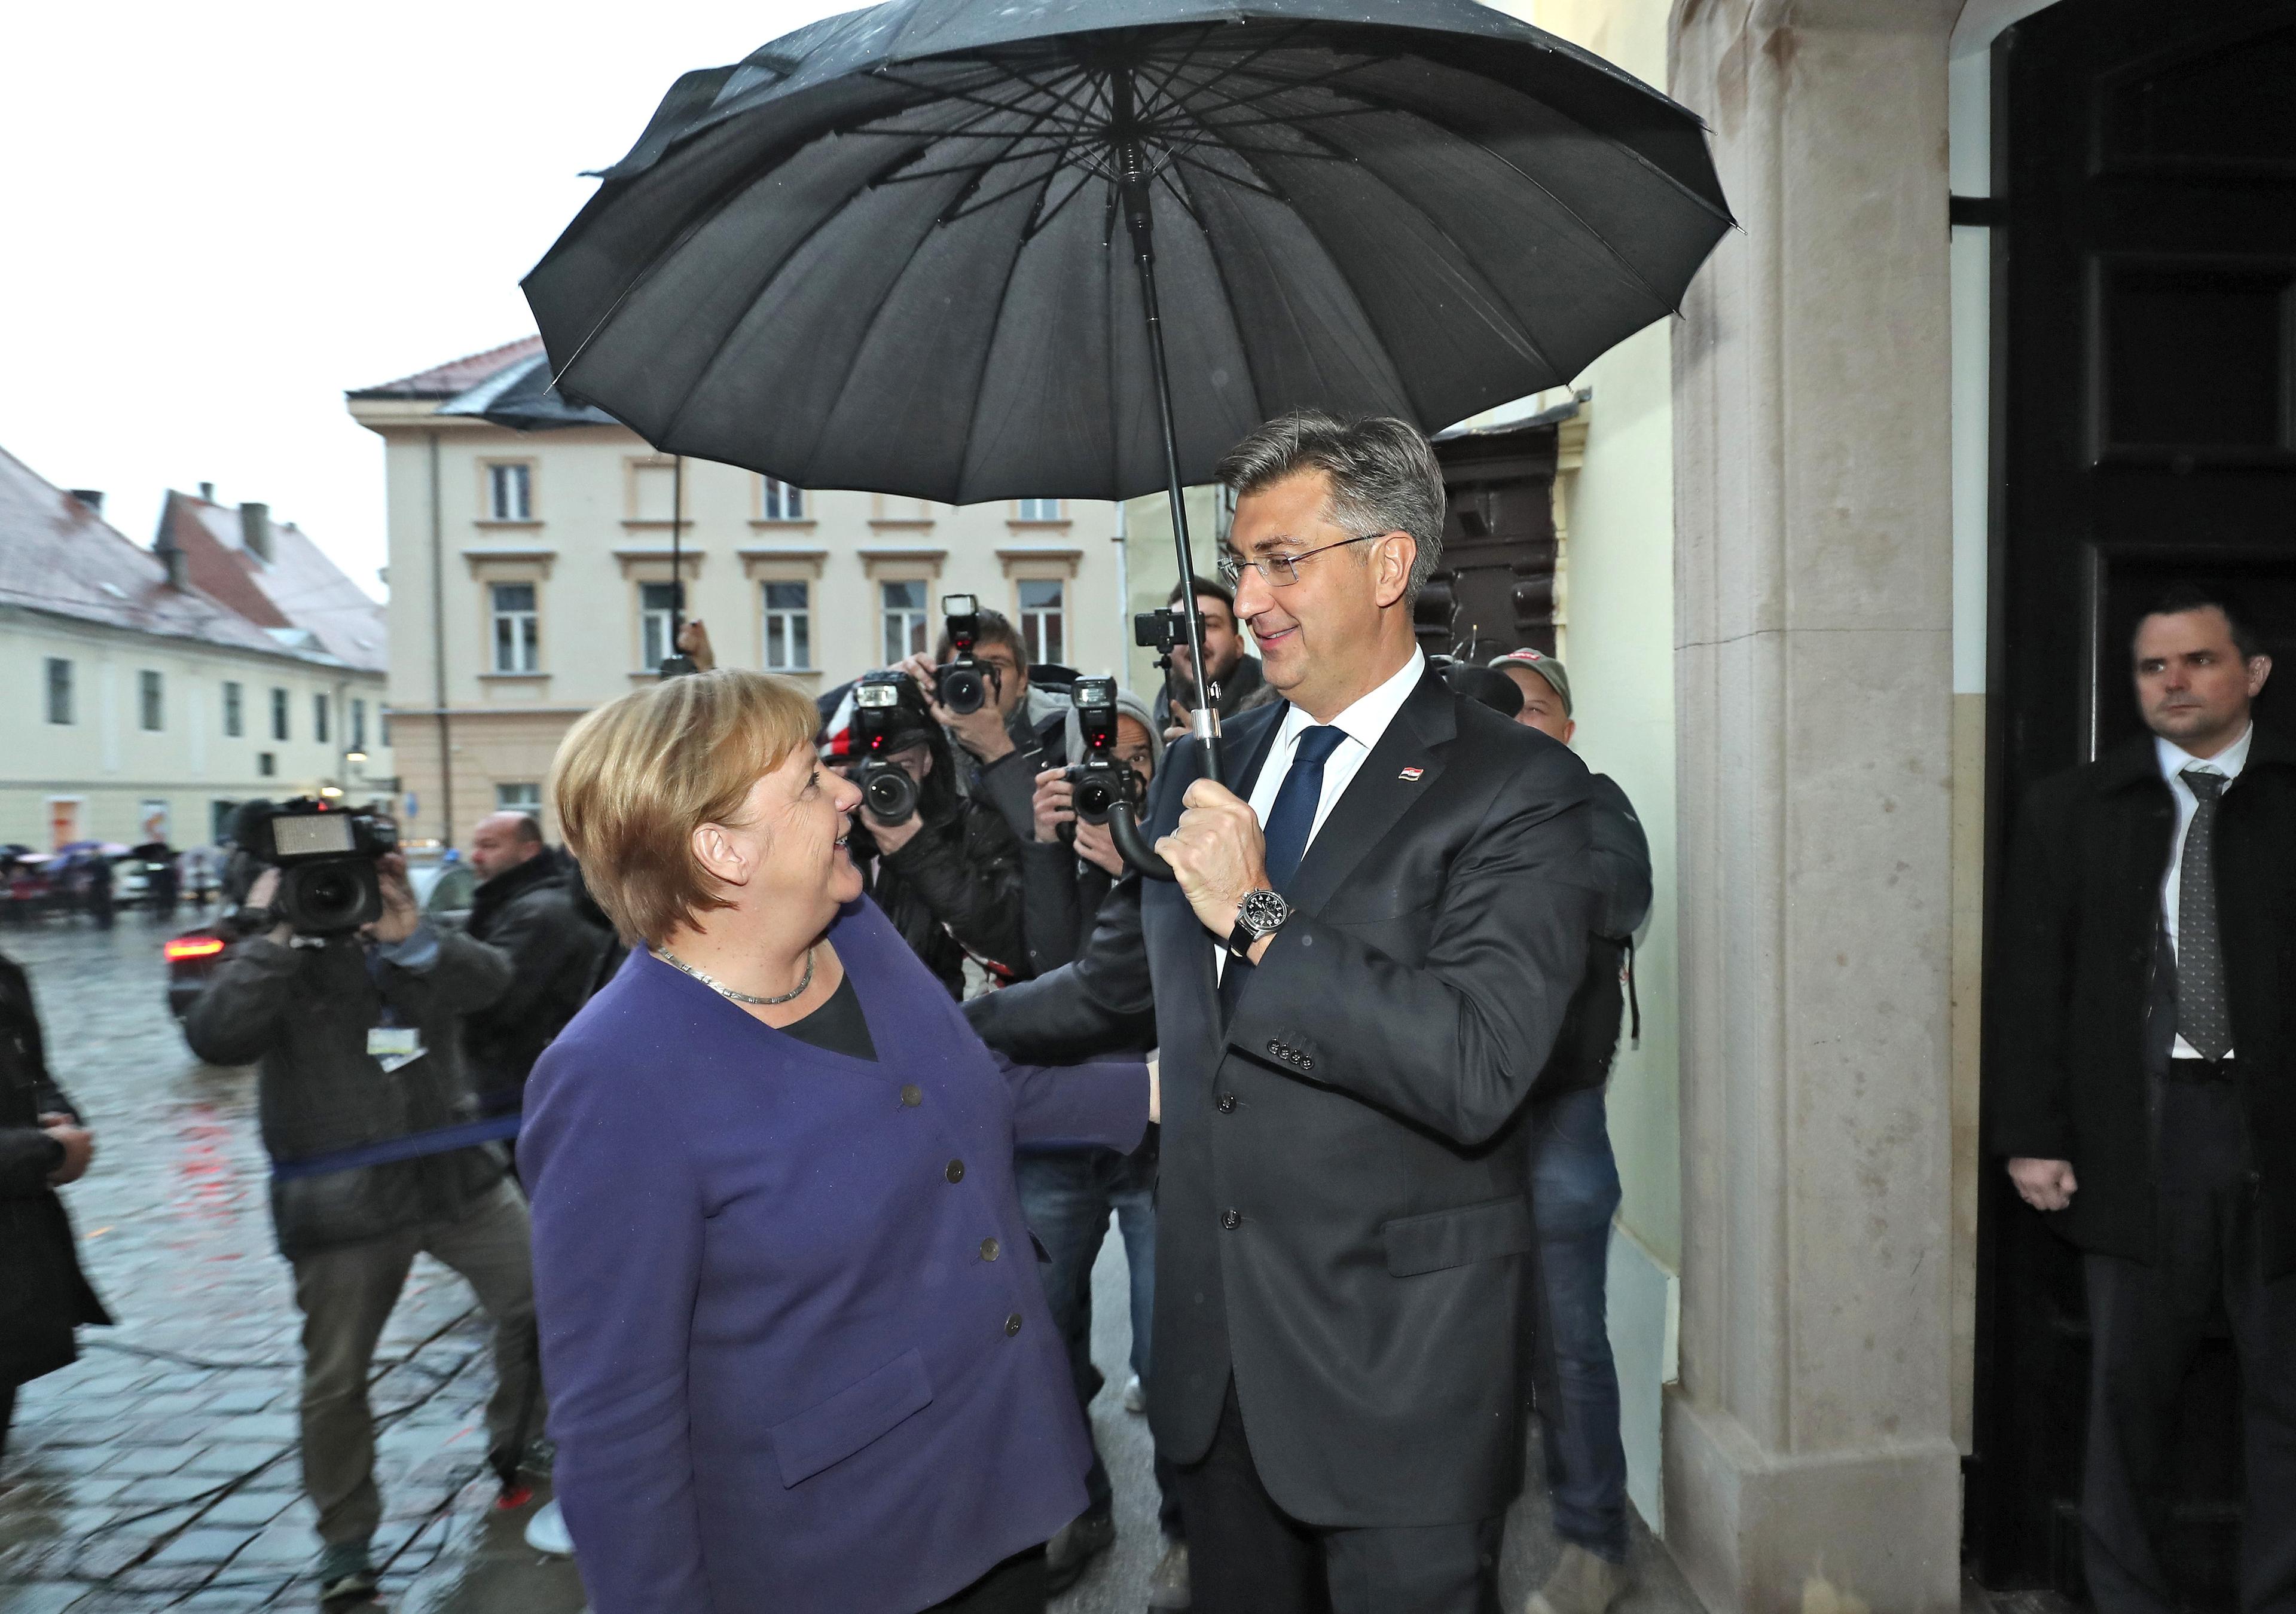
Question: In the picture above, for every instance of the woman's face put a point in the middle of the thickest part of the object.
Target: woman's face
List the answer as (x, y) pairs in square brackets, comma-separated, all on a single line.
[(797, 816)]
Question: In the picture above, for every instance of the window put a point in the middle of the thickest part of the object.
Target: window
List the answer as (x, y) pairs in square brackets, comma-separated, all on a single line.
[(513, 797), (265, 763), (783, 502), (319, 718), (904, 619), (1040, 510), (789, 627), (509, 493), (60, 690), (234, 710), (657, 601), (359, 723), (383, 729), (279, 714), (1043, 618), (518, 632), (149, 705)]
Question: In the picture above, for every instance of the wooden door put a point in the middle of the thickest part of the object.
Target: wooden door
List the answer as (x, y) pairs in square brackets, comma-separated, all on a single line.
[(2144, 432)]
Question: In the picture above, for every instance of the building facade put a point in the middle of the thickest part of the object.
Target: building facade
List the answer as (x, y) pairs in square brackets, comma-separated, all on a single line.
[(531, 579), (141, 706)]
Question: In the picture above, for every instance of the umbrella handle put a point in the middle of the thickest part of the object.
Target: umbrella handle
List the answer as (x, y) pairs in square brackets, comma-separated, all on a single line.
[(1132, 845)]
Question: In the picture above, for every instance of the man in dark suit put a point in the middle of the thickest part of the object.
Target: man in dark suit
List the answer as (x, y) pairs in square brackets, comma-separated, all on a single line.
[(2147, 1104), (1358, 973)]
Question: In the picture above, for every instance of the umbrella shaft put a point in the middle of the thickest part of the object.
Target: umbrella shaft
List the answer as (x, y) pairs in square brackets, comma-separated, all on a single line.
[(1134, 185)]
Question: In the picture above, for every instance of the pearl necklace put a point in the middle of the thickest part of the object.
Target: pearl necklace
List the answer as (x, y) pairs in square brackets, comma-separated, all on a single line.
[(723, 990)]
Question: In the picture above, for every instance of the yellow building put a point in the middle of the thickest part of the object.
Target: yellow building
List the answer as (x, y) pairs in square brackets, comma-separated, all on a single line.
[(149, 692), (531, 574)]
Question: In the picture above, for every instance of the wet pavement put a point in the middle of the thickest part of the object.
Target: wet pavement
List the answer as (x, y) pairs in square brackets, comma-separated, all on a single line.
[(161, 1472)]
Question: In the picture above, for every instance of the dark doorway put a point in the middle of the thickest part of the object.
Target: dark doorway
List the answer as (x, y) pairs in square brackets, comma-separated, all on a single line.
[(2145, 431), (1495, 591)]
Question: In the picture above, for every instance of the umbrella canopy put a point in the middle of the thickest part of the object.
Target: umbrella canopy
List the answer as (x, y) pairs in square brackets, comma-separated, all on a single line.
[(895, 249), (522, 398)]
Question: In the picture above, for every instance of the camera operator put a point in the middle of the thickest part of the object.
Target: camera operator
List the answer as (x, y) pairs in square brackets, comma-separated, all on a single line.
[(1242, 686), (946, 868), (525, 906), (1068, 1194), (353, 1004), (1015, 734)]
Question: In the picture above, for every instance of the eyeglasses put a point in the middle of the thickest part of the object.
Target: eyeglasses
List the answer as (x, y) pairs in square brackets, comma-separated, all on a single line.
[(1281, 572)]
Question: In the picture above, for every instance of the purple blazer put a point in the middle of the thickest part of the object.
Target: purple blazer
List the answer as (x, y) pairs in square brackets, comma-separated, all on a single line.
[(796, 1347)]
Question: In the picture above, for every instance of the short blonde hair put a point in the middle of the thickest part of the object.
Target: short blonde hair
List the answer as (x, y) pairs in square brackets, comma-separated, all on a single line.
[(637, 777)]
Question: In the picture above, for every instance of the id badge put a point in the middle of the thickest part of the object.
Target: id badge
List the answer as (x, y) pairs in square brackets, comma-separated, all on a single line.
[(394, 1047)]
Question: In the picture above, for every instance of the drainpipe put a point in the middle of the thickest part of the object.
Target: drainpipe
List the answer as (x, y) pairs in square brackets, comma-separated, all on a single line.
[(438, 654)]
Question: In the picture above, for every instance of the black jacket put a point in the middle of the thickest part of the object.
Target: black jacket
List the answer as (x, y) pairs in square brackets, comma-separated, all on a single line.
[(44, 1296), (2083, 1010), (1244, 689), (1061, 899), (1588, 1042), (1343, 1215), (304, 1013), (531, 913), (954, 886)]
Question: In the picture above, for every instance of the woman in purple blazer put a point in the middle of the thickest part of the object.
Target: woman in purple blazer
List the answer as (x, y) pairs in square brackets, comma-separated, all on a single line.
[(796, 1351)]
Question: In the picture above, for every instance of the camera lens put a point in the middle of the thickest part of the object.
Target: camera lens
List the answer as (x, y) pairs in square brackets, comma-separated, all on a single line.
[(890, 794), (330, 897), (1096, 798), (962, 689)]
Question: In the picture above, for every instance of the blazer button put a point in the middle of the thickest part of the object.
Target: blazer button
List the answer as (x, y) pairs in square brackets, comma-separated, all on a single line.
[(1012, 1325), (956, 1171), (989, 1249), (1227, 1103), (1306, 1063), (911, 1096), (1276, 1049), (1231, 1219)]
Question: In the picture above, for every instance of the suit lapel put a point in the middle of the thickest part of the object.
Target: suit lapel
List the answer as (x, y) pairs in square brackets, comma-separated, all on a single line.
[(1379, 793), (1252, 747)]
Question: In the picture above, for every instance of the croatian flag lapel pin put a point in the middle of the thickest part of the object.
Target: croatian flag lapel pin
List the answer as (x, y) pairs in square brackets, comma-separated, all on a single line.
[(1411, 773)]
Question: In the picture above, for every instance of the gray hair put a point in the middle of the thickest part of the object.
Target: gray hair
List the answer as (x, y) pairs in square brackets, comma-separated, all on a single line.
[(1383, 475)]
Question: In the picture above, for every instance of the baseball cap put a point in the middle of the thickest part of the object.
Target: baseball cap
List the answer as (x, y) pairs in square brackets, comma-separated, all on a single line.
[(1545, 667)]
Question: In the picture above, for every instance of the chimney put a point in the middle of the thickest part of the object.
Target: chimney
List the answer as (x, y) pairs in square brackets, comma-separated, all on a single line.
[(173, 558), (207, 492), (93, 498), (255, 529)]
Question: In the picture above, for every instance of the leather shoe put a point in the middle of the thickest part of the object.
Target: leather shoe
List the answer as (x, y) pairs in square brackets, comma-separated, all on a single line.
[(1168, 1587), (1075, 1545), (1583, 1583)]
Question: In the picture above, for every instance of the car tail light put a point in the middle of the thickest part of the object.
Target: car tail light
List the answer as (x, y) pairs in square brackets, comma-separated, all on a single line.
[(192, 946)]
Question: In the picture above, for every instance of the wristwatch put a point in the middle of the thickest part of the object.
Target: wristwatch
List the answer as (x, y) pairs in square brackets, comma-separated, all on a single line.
[(1261, 912)]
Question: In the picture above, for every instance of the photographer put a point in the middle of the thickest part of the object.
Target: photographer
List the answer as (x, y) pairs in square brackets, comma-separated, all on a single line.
[(1015, 734), (526, 908), (1068, 1194), (1241, 685), (946, 871), (353, 1004)]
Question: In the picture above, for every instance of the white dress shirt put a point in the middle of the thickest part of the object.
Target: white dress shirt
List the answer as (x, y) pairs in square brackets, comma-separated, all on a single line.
[(2174, 760), (1362, 724)]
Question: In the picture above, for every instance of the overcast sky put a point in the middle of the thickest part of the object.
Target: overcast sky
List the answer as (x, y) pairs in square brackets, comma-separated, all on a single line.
[(219, 218)]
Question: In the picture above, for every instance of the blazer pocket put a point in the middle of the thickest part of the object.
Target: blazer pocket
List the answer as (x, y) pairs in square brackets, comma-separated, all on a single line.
[(832, 1430), (1442, 1238)]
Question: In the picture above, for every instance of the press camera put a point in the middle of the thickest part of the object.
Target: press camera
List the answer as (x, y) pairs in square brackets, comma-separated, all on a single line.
[(327, 857), (962, 684), (1102, 781), (879, 727)]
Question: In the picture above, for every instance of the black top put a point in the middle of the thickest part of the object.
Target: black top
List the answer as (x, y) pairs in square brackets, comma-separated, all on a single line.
[(837, 1026)]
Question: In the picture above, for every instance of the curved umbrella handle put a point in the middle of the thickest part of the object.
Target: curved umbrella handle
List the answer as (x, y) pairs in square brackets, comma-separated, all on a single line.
[(1132, 845)]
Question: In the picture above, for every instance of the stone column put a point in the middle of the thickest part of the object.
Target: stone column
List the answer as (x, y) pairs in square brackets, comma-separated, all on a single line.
[(1810, 1434)]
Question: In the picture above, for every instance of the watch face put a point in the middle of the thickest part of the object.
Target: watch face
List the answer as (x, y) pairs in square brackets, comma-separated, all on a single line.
[(1264, 911)]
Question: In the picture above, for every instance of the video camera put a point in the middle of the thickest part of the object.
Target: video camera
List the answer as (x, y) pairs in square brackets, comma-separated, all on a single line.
[(878, 727), (1102, 781), (327, 857), (964, 685)]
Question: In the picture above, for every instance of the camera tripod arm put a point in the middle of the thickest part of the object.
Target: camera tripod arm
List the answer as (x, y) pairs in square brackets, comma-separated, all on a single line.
[(1132, 843)]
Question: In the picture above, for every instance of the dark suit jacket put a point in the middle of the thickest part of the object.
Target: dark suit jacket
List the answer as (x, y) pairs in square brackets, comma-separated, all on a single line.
[(2084, 1010), (1341, 1225)]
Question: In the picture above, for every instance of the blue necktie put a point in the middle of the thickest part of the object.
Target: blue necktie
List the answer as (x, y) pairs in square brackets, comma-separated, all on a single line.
[(1289, 821)]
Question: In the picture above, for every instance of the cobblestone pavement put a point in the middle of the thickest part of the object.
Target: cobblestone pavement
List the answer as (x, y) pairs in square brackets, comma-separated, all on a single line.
[(161, 1472)]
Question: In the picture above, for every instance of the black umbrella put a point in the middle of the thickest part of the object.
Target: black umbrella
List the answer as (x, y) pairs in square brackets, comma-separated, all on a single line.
[(890, 250)]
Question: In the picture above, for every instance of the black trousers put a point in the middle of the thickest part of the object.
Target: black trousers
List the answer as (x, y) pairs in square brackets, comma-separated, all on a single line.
[(2147, 1323), (1015, 1586), (1247, 1556)]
